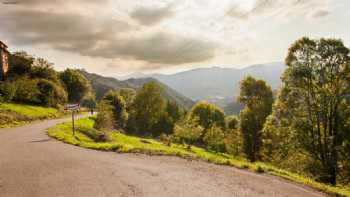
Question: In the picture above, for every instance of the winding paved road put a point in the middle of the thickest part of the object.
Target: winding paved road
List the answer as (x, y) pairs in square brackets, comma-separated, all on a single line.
[(33, 165)]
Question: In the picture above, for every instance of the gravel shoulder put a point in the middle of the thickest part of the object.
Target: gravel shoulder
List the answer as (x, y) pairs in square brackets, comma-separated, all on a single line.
[(34, 165)]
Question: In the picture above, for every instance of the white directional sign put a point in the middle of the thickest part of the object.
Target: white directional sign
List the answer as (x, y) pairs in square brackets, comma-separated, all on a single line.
[(71, 107)]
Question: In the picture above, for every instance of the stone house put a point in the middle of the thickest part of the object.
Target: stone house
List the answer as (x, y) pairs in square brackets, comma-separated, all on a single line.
[(4, 65)]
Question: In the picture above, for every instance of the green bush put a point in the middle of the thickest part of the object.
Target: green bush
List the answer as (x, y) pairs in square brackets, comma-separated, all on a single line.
[(7, 91), (51, 94), (76, 85), (33, 91), (26, 91), (104, 119), (118, 107), (188, 132), (20, 64), (214, 139), (208, 115), (96, 135)]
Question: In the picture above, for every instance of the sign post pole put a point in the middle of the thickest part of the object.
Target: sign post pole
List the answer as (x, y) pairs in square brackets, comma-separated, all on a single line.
[(72, 108), (73, 126)]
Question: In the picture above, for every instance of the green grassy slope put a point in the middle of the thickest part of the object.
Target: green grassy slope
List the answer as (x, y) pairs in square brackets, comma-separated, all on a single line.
[(16, 114), (122, 143)]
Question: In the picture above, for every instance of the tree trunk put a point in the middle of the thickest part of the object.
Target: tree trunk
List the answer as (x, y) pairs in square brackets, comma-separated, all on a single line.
[(333, 175)]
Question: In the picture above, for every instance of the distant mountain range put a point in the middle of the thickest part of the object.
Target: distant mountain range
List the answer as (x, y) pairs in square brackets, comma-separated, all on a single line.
[(101, 85), (215, 84)]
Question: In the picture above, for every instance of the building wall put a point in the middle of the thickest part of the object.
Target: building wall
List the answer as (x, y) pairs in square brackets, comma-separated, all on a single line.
[(3, 63)]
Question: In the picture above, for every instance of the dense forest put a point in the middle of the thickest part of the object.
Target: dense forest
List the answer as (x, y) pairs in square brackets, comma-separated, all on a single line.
[(305, 128), (34, 81)]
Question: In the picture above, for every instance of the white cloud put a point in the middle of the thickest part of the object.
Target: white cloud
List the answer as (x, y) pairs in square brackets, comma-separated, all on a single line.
[(148, 34)]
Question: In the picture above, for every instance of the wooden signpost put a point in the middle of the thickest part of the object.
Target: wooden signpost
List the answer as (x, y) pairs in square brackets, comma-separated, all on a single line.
[(72, 108)]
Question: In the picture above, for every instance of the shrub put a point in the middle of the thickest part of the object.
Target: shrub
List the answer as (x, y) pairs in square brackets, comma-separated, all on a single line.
[(20, 64), (26, 91), (214, 139), (188, 132), (118, 107), (89, 102), (165, 139), (51, 94), (104, 119), (233, 142), (7, 91), (96, 135), (207, 115)]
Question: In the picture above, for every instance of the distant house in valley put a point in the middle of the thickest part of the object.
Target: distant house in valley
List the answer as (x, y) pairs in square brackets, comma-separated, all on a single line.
[(4, 65)]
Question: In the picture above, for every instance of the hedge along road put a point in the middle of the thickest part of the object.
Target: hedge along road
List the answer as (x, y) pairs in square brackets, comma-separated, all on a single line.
[(34, 165)]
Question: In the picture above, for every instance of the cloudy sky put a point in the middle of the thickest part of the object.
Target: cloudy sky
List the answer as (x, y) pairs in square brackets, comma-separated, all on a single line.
[(116, 37)]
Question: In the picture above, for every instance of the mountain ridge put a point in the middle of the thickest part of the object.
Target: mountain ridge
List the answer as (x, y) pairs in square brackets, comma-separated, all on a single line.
[(102, 84), (216, 84)]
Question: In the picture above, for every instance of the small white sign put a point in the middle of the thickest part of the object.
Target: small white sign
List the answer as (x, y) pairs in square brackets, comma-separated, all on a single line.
[(71, 106)]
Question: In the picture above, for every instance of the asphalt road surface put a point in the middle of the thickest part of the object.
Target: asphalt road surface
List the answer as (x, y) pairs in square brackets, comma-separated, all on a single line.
[(34, 165)]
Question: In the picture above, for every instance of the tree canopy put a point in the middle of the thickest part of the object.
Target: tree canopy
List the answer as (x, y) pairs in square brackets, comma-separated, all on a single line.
[(76, 85), (316, 84), (257, 97)]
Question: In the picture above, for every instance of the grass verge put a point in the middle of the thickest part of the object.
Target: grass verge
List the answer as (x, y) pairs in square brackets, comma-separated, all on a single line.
[(116, 141), (12, 114)]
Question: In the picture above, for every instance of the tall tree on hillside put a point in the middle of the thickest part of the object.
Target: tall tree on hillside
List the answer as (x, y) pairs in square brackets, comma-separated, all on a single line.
[(316, 85), (128, 95), (118, 107), (20, 63), (77, 86), (257, 97), (149, 107), (171, 115), (44, 70)]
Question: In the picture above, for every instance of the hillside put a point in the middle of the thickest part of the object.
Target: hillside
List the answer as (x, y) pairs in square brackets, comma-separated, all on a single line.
[(101, 85)]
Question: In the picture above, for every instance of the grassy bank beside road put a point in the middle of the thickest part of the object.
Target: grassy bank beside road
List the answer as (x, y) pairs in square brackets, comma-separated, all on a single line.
[(17, 114), (88, 137)]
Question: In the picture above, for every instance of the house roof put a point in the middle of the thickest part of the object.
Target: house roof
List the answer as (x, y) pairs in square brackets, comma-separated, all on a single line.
[(1, 43), (3, 46)]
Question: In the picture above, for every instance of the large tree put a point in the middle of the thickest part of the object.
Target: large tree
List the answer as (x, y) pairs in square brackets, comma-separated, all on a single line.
[(208, 115), (149, 106), (257, 98), (20, 64), (43, 69), (77, 86), (128, 95), (316, 85)]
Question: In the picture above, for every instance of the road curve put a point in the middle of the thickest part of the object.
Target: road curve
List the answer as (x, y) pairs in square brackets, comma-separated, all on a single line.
[(34, 165)]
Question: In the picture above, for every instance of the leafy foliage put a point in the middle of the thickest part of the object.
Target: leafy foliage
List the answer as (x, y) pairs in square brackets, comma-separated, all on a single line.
[(233, 137), (104, 119), (76, 85), (257, 97), (20, 64), (208, 115), (118, 108), (188, 131), (51, 94), (214, 139), (316, 85), (149, 107)]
